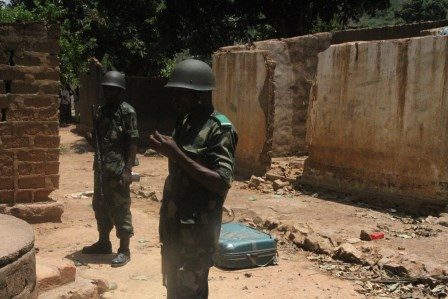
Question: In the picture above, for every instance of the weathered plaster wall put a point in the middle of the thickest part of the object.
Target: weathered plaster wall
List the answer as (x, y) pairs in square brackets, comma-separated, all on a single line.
[(378, 123), (29, 128), (245, 93), (296, 66)]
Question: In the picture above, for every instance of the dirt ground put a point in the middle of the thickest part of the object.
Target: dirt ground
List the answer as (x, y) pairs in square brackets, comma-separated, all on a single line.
[(296, 276)]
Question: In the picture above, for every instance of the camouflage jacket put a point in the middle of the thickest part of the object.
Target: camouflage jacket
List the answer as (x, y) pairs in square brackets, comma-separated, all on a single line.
[(117, 128), (190, 219)]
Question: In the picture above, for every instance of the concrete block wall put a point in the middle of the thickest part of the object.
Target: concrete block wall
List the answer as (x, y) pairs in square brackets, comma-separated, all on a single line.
[(29, 127)]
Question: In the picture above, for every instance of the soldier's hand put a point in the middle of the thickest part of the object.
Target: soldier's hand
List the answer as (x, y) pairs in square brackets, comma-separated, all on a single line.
[(126, 177), (163, 144)]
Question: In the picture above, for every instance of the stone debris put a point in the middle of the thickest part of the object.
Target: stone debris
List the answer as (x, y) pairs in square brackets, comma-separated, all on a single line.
[(144, 192), (255, 182), (357, 260), (348, 253), (52, 273), (81, 288), (36, 212), (80, 195)]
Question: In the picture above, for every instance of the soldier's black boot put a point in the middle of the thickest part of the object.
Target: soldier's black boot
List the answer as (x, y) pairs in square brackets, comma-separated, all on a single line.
[(103, 246), (124, 254), (100, 247)]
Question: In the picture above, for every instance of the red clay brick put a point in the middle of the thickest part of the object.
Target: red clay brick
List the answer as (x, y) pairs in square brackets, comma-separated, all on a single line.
[(22, 115), (6, 183), (36, 129), (46, 141), (24, 87), (40, 101), (5, 129), (49, 114), (6, 158), (52, 155), (11, 73), (15, 142), (52, 168), (31, 155), (51, 182), (31, 168), (28, 58), (24, 196), (6, 196), (6, 170), (42, 195), (32, 182)]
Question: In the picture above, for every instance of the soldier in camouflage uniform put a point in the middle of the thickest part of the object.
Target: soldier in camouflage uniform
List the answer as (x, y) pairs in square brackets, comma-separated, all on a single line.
[(201, 161), (118, 136)]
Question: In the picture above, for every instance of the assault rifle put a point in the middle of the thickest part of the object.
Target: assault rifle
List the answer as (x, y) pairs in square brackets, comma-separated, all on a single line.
[(98, 156)]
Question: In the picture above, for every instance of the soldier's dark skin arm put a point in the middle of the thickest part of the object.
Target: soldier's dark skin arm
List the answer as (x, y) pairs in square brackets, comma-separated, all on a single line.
[(210, 179)]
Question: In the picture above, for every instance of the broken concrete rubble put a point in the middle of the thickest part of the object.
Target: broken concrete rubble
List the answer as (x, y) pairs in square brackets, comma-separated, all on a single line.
[(35, 213)]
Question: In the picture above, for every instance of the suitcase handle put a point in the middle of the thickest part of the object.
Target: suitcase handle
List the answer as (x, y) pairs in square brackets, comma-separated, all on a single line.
[(254, 261)]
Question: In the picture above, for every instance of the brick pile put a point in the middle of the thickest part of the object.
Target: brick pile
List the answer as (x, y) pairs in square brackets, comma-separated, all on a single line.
[(29, 128)]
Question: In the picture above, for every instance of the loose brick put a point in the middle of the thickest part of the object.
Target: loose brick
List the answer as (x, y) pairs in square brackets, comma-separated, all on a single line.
[(31, 168), (6, 196), (5, 129), (52, 168), (24, 196), (15, 142), (46, 141), (31, 155), (32, 182), (48, 114), (52, 155), (42, 195), (36, 129), (6, 183)]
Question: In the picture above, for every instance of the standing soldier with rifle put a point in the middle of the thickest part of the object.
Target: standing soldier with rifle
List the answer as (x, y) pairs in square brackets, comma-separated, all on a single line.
[(201, 159), (115, 138)]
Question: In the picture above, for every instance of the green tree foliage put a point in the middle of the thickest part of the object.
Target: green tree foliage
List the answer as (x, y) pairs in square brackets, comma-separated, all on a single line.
[(147, 37), (202, 26), (423, 10), (406, 11)]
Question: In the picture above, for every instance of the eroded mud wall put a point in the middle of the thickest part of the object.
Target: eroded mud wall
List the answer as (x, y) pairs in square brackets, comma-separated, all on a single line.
[(245, 93), (378, 123)]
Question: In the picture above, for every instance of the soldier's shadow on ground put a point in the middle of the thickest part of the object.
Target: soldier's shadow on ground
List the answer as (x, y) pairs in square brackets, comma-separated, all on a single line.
[(80, 259)]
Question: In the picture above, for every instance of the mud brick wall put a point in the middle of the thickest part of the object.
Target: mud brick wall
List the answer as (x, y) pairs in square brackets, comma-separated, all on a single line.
[(29, 129), (296, 62), (378, 122)]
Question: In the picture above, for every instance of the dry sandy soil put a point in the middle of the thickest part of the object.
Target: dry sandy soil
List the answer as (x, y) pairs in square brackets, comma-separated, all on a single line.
[(294, 277)]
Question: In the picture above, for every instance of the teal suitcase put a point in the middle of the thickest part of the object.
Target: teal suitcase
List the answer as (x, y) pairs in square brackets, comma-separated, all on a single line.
[(241, 247)]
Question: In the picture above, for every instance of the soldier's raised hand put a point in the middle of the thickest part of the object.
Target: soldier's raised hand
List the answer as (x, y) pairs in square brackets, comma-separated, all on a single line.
[(163, 144)]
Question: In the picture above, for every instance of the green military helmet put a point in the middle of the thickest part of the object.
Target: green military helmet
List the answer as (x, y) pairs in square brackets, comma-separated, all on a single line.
[(192, 74), (114, 79)]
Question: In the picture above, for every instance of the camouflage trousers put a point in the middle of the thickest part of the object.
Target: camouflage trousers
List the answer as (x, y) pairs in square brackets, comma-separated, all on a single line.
[(182, 283), (114, 208)]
